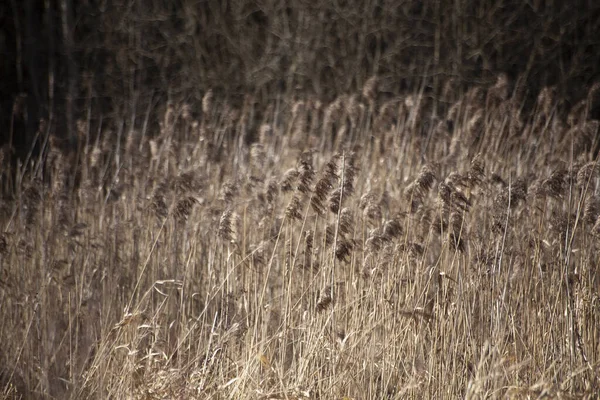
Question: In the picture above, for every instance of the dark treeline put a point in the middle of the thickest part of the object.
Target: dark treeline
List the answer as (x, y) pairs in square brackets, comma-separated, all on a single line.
[(64, 60)]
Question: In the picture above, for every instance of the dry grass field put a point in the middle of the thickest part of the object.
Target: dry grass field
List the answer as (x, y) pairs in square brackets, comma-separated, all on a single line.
[(369, 248)]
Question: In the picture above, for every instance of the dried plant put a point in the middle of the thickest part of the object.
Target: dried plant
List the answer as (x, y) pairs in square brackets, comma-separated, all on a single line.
[(226, 228), (306, 175), (292, 211), (451, 225), (325, 299), (289, 178)]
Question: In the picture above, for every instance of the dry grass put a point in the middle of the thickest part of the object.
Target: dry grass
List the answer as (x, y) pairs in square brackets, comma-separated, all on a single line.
[(358, 249)]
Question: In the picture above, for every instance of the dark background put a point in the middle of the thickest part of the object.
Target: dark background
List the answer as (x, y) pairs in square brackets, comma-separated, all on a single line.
[(113, 59)]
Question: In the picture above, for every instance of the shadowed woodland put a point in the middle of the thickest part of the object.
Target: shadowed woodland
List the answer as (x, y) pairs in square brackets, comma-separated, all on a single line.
[(64, 60)]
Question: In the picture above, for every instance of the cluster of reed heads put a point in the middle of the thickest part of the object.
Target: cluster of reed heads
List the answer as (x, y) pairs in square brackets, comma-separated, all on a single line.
[(372, 247)]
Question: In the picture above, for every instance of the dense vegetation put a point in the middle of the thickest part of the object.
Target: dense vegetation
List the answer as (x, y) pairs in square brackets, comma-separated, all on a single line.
[(114, 60), (349, 251)]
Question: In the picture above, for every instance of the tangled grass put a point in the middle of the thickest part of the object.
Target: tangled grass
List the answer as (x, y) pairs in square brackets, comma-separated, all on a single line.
[(364, 249)]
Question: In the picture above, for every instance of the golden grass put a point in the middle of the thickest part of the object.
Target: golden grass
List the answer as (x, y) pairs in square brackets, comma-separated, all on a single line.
[(360, 249)]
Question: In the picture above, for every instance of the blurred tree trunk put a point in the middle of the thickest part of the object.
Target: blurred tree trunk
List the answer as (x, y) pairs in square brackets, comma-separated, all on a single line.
[(66, 9)]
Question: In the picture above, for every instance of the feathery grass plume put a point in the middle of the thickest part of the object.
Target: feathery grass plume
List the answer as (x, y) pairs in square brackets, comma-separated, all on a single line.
[(372, 213), (556, 185), (292, 211), (325, 299), (375, 241), (333, 114), (457, 181), (369, 90), (451, 199), (561, 223), (587, 175), (78, 229), (445, 198), (346, 225), (308, 250), (591, 210), (261, 198), (476, 174), (318, 198), (417, 190), (445, 193), (500, 222), (207, 103), (229, 192), (329, 235), (32, 198), (324, 185), (518, 191), (367, 198), (159, 203), (226, 229), (386, 255), (343, 249), (271, 192), (424, 217), (253, 185), (334, 200), (332, 167), (350, 171), (392, 229), (511, 195), (184, 207), (289, 179), (25, 249), (306, 175), (460, 201), (426, 178), (415, 250), (536, 189), (413, 194), (497, 180), (186, 183)]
